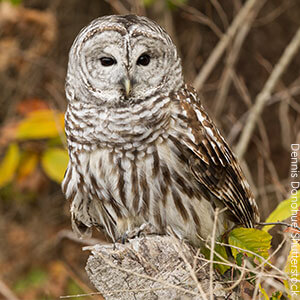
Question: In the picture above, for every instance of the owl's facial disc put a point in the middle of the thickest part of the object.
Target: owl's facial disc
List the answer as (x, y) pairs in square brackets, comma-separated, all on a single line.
[(126, 64)]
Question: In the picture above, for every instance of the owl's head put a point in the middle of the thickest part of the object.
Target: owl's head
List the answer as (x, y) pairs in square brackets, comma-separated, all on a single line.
[(122, 60)]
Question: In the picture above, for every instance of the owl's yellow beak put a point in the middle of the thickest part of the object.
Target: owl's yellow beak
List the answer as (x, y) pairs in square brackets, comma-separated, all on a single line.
[(127, 86)]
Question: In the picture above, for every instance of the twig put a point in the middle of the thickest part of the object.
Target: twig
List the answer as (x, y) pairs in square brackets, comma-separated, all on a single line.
[(233, 57), (223, 43), (247, 251), (107, 293), (7, 292), (226, 262), (283, 106), (199, 17), (80, 295), (273, 14), (280, 223), (292, 90), (211, 257), (70, 235), (273, 254), (190, 269), (257, 284), (264, 95), (221, 12), (244, 268), (118, 7), (236, 283)]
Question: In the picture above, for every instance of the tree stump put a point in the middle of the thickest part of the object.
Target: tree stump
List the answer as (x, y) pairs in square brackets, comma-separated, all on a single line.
[(153, 267)]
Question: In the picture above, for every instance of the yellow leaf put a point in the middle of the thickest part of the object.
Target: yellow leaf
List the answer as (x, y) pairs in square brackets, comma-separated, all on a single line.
[(54, 162), (9, 164), (251, 239), (284, 210), (41, 124), (263, 292), (292, 270), (28, 164)]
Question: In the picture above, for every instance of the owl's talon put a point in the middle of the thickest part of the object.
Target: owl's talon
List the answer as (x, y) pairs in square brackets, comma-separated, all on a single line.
[(142, 231), (146, 229)]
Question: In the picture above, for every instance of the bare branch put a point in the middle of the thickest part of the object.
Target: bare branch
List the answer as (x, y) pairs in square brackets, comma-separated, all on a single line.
[(264, 95), (221, 13), (279, 223), (233, 57), (7, 292), (222, 45)]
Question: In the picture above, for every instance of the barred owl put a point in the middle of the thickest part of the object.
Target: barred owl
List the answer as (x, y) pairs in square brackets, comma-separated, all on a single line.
[(142, 148)]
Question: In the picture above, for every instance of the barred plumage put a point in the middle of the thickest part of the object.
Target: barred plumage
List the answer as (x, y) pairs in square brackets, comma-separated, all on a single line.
[(142, 148)]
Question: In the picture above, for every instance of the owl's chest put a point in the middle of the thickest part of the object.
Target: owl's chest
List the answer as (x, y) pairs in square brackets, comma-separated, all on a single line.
[(126, 128), (154, 185), (131, 178)]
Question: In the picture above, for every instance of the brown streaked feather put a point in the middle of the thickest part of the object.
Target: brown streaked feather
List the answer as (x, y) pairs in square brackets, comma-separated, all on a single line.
[(214, 164)]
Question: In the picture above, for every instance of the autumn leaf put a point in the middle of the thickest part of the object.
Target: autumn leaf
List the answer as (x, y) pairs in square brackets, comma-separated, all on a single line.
[(292, 269), (9, 164), (29, 161), (295, 222), (251, 239), (284, 210), (55, 162), (27, 106), (41, 124), (263, 292)]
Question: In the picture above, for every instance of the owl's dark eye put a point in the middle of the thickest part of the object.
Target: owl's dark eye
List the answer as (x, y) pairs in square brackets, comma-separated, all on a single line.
[(143, 60), (107, 61)]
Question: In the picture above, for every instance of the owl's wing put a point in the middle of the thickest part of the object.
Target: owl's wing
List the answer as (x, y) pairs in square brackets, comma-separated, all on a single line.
[(214, 165)]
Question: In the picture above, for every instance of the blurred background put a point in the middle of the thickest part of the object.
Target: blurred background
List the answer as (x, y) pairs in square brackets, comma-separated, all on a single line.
[(39, 256)]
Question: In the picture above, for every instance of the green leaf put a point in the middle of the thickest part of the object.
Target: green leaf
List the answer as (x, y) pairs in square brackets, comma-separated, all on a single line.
[(239, 259), (284, 210), (221, 250), (173, 4), (55, 162), (148, 2), (41, 124), (74, 289), (276, 295), (35, 278), (15, 2), (9, 164), (251, 239)]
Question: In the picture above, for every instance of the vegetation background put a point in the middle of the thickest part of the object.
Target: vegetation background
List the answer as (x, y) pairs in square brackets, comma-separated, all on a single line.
[(39, 256)]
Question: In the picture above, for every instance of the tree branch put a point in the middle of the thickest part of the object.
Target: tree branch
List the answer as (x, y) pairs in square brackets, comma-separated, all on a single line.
[(265, 94), (222, 45)]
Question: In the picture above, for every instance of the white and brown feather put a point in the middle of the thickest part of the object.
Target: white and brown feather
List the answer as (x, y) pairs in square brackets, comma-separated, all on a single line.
[(158, 159)]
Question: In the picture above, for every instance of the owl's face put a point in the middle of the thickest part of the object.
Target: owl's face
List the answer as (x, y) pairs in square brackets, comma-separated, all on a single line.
[(121, 60)]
